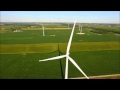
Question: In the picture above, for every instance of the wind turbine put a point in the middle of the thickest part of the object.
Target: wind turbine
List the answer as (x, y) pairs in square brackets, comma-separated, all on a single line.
[(80, 29), (67, 57), (43, 30)]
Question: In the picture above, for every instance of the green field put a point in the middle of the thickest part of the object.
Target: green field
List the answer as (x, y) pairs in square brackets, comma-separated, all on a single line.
[(49, 47), (20, 52)]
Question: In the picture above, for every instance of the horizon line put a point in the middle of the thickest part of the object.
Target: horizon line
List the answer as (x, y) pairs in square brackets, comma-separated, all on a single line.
[(59, 22)]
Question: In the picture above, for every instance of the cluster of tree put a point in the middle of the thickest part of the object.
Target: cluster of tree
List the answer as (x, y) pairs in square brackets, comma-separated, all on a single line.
[(104, 30), (15, 28)]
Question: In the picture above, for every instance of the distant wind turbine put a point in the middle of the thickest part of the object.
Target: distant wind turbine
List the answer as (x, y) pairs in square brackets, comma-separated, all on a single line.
[(43, 30), (80, 29)]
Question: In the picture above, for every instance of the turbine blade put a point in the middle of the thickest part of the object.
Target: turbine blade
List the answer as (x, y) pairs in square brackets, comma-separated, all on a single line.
[(70, 40), (76, 65), (53, 58)]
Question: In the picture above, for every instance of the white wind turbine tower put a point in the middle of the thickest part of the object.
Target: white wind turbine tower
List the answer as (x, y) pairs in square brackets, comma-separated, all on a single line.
[(80, 29), (43, 30), (68, 57)]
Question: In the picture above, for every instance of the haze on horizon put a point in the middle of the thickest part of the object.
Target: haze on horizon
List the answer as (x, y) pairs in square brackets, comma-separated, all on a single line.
[(61, 16)]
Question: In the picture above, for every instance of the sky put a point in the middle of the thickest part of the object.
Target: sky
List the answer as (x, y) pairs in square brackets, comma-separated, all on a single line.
[(61, 16)]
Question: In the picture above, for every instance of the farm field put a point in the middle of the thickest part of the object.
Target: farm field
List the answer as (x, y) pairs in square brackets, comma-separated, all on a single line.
[(20, 52)]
